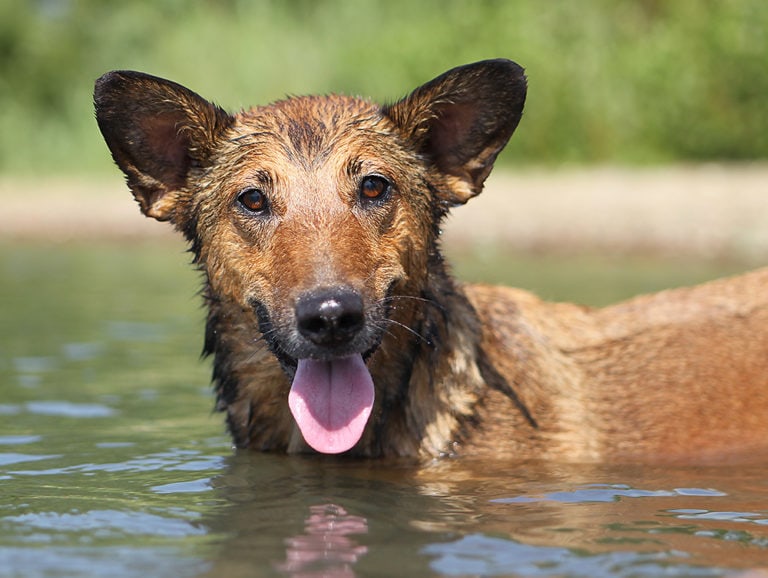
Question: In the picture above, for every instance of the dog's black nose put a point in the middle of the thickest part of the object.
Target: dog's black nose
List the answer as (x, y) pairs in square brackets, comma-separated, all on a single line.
[(331, 316)]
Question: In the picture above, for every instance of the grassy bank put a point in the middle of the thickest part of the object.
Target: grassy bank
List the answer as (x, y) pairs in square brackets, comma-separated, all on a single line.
[(641, 81)]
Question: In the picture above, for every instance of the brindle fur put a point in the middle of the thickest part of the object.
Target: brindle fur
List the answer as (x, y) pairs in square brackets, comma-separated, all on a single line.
[(458, 369)]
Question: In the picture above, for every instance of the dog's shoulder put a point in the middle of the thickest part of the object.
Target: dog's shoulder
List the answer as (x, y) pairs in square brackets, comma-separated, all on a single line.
[(517, 314)]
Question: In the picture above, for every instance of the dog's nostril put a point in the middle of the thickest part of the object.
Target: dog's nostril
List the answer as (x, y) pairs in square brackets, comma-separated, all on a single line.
[(330, 317), (313, 325), (351, 321)]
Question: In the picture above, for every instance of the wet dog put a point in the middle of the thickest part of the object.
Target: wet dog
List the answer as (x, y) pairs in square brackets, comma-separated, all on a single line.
[(335, 326)]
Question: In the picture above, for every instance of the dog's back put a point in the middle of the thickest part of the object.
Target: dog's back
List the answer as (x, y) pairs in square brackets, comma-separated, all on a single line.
[(674, 376)]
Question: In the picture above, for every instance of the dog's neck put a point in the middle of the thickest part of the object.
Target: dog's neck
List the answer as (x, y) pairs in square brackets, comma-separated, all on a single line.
[(426, 373)]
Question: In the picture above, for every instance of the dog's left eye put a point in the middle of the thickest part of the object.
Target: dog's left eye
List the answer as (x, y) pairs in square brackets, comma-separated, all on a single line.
[(253, 200), (374, 188)]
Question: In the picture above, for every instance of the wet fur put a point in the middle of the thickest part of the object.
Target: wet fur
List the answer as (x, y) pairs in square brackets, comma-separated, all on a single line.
[(458, 369)]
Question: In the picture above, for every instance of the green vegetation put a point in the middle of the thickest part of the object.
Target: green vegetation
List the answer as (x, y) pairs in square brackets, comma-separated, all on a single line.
[(610, 81)]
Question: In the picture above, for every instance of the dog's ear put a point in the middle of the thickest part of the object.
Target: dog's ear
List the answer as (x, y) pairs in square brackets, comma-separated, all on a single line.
[(157, 131), (462, 119)]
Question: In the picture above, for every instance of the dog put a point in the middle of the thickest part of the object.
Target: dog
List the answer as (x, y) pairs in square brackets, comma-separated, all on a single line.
[(333, 321)]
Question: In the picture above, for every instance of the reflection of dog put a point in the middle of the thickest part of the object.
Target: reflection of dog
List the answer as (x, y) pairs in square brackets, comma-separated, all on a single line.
[(316, 223), (325, 544)]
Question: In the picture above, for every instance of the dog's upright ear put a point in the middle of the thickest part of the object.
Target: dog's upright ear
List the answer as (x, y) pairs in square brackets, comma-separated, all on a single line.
[(157, 131), (462, 119)]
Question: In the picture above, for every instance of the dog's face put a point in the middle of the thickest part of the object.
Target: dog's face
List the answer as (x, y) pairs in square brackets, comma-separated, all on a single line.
[(316, 223), (318, 213)]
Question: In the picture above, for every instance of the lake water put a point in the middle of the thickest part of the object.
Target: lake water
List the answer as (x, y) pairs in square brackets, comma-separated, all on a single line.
[(113, 464)]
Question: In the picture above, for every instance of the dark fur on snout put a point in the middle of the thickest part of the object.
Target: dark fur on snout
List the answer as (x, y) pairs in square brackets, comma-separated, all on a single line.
[(316, 220)]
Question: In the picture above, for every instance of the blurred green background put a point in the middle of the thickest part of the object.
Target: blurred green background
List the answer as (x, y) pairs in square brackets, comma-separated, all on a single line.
[(633, 82)]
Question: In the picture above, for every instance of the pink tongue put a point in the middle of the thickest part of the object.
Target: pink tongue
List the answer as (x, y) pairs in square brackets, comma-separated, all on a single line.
[(331, 402)]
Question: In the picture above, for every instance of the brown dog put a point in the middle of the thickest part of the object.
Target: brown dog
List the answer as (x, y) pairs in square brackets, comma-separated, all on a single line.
[(333, 321)]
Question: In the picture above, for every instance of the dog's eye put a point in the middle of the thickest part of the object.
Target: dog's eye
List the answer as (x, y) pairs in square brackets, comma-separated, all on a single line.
[(253, 200), (374, 188)]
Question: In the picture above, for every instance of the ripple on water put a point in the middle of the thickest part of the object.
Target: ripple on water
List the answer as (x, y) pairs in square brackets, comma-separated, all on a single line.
[(34, 364), (478, 554), (69, 409), (170, 461), (607, 493), (190, 487), (109, 523), (115, 562), (692, 514), (135, 331), (82, 351), (19, 440), (10, 458)]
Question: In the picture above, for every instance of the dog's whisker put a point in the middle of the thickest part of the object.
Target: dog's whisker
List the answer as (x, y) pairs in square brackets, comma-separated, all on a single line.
[(408, 329), (392, 298)]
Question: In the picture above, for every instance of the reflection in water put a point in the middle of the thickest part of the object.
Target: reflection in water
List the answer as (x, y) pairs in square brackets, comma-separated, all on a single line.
[(309, 516), (325, 549)]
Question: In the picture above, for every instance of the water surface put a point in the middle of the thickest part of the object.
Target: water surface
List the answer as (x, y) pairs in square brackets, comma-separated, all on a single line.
[(113, 464)]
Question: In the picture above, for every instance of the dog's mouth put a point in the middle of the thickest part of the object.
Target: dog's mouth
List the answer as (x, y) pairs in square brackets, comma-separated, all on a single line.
[(332, 392)]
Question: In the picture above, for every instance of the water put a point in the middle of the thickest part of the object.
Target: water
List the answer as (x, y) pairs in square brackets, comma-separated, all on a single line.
[(112, 463)]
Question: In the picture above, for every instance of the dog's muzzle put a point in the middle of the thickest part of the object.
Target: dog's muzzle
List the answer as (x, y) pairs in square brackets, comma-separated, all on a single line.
[(332, 392)]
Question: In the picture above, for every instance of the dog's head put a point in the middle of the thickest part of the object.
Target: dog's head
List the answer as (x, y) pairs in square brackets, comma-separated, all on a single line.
[(316, 212)]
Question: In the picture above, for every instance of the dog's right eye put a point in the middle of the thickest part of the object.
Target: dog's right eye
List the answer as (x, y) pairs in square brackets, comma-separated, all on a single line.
[(253, 200), (374, 189)]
